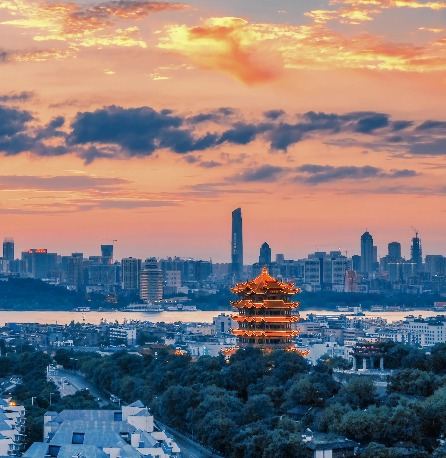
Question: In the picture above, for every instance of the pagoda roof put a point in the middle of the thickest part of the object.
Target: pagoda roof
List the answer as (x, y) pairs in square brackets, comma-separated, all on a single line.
[(264, 284)]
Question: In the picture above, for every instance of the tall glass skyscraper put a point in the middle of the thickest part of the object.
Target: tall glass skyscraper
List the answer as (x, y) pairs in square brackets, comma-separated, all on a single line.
[(366, 253), (416, 252), (8, 249), (237, 243)]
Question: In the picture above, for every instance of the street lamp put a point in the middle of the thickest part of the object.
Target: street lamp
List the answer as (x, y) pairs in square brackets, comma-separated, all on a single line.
[(51, 398)]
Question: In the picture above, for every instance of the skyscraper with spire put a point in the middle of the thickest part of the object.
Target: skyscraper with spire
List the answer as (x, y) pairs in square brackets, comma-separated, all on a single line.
[(367, 253), (237, 244), (416, 252)]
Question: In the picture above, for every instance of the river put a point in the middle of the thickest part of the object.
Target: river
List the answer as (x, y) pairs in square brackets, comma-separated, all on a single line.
[(93, 317)]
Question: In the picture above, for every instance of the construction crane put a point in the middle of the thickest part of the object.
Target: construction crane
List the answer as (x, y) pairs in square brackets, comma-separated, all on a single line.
[(415, 230)]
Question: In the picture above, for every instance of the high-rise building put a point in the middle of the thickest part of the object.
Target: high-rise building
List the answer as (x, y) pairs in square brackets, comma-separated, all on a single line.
[(151, 286), (38, 263), (130, 271), (237, 243), (367, 253), (107, 254), (435, 264), (416, 252), (265, 255), (8, 249), (72, 267), (394, 251)]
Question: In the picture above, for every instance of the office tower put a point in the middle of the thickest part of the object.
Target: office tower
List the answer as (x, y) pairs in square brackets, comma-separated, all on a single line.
[(265, 255), (237, 243), (107, 254), (72, 267), (367, 253), (8, 249), (416, 252), (435, 264), (280, 258), (151, 288), (38, 263), (394, 251), (130, 272), (356, 262)]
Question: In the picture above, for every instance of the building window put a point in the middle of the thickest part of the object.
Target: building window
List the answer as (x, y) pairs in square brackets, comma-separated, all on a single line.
[(78, 438)]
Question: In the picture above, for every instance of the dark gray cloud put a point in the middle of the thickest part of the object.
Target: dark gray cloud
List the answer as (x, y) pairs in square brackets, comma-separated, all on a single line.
[(401, 125), (240, 134), (116, 132), (16, 96), (428, 147), (210, 164), (264, 173), (317, 174), (427, 125), (273, 114), (368, 124), (13, 121)]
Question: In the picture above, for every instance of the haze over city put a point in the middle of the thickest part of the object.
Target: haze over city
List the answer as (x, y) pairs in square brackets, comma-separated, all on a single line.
[(149, 122)]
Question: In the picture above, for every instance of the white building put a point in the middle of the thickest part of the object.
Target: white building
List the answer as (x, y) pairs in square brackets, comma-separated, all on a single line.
[(126, 433), (125, 333), (223, 324), (425, 332), (12, 428)]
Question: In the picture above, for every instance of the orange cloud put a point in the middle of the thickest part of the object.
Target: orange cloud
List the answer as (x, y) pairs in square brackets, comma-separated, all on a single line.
[(231, 44), (358, 11), (78, 26), (226, 44)]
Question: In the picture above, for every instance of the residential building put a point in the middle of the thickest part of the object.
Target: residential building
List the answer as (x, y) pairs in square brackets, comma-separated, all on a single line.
[(151, 281), (130, 273)]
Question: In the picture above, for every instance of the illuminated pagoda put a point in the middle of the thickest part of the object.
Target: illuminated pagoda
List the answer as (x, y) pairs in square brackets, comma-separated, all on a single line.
[(265, 315)]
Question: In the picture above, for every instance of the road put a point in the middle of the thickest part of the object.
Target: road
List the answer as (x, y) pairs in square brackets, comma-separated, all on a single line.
[(77, 382)]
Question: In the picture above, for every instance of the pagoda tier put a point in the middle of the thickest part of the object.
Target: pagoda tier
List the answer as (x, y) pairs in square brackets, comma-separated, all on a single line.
[(265, 319), (270, 304), (265, 316)]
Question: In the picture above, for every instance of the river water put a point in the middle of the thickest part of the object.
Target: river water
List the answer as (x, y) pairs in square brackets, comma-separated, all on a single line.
[(51, 317)]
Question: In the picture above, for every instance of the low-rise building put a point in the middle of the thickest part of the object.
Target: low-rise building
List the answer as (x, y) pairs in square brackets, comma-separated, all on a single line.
[(126, 433)]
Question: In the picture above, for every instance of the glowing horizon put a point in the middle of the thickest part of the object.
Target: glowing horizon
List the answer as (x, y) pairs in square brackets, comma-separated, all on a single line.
[(149, 122)]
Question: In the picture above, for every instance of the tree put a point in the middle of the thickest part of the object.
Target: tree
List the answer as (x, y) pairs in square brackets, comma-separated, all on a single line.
[(359, 392), (413, 382), (257, 408)]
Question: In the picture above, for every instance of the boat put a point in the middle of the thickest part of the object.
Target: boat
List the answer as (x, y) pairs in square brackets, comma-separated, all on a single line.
[(81, 309), (189, 308), (152, 308)]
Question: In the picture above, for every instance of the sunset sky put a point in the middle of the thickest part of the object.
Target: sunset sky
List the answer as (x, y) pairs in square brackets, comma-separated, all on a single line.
[(149, 122)]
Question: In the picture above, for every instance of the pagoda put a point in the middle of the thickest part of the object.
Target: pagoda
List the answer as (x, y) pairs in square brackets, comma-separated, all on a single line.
[(265, 315)]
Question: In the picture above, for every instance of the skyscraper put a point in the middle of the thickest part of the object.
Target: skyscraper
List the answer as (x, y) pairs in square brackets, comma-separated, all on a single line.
[(107, 254), (151, 281), (237, 243), (416, 252), (265, 255), (131, 268), (394, 251), (366, 253), (8, 249)]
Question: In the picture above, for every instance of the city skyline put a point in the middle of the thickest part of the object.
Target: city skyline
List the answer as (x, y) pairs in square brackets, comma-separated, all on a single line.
[(149, 122), (368, 249)]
